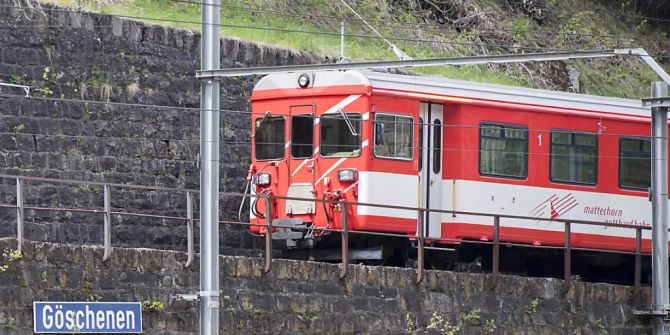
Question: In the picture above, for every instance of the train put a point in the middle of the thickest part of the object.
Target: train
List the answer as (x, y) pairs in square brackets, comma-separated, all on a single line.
[(411, 141)]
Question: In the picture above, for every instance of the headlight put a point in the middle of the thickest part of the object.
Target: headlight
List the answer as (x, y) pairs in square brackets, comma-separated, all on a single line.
[(262, 179), (347, 175), (303, 80)]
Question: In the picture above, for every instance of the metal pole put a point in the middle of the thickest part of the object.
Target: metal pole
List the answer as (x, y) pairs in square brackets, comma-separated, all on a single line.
[(345, 242), (567, 258), (469, 60), (209, 173), (107, 238), (341, 40), (420, 252), (638, 265), (19, 214), (189, 227), (659, 178), (268, 234), (495, 267)]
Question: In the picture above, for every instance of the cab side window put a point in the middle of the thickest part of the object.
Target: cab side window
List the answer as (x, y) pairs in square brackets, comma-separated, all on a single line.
[(393, 136), (269, 138), (340, 135)]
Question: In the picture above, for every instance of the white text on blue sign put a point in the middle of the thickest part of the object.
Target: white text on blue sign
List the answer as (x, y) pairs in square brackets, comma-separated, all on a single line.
[(87, 317)]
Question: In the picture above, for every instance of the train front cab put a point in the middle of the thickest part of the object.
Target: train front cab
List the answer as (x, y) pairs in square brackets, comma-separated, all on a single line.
[(308, 142)]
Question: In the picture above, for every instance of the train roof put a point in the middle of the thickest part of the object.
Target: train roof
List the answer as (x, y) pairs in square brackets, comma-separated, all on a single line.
[(366, 81)]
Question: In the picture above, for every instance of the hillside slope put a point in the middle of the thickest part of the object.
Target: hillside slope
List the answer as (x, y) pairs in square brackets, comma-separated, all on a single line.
[(424, 28)]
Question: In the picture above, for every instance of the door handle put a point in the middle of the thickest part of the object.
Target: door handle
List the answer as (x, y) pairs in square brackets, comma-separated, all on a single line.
[(432, 182)]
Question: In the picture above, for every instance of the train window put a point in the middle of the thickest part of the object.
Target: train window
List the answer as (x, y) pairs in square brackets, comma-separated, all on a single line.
[(302, 136), (574, 157), (503, 150), (634, 163), (269, 138), (340, 135), (393, 136), (437, 145)]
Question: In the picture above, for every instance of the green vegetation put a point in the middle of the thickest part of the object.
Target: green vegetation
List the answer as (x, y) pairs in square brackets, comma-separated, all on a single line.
[(472, 317), (8, 256), (152, 305), (439, 324), (467, 27), (87, 292), (534, 304), (87, 188)]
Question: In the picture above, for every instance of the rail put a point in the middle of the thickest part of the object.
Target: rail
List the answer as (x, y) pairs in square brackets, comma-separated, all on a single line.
[(20, 207)]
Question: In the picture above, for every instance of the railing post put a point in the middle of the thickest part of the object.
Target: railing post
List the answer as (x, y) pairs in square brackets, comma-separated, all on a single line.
[(345, 242), (107, 238), (268, 234), (495, 267), (420, 250), (638, 265), (189, 228), (567, 258), (19, 214)]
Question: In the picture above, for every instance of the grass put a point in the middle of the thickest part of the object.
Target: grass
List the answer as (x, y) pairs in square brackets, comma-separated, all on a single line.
[(355, 48), (621, 79)]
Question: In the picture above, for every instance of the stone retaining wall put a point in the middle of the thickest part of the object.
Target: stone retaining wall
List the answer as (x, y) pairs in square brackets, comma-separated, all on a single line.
[(308, 298), (68, 55)]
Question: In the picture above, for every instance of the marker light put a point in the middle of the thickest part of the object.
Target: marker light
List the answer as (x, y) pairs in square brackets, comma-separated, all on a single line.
[(347, 175), (262, 179), (303, 80)]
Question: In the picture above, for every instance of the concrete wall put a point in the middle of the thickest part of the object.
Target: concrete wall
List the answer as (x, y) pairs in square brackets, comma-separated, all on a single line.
[(308, 298)]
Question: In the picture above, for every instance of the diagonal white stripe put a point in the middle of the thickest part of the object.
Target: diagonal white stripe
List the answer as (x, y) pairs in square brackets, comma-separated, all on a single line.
[(339, 161), (339, 105), (350, 187), (342, 103), (299, 167)]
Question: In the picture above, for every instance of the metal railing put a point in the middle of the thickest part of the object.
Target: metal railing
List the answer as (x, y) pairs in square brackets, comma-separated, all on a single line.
[(344, 231)]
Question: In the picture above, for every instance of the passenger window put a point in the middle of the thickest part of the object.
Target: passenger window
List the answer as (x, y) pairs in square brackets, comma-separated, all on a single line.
[(340, 135), (302, 136), (503, 150), (437, 145), (634, 163), (574, 157), (393, 136), (269, 138)]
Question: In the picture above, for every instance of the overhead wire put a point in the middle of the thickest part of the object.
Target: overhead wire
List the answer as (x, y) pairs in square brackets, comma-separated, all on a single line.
[(435, 28), (326, 33), (196, 109), (282, 144), (384, 21), (122, 104)]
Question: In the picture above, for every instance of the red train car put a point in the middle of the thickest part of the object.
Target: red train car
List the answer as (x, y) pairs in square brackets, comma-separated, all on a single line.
[(374, 137)]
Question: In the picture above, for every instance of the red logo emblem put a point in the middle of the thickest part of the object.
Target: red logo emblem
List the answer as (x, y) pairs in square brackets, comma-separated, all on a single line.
[(554, 207)]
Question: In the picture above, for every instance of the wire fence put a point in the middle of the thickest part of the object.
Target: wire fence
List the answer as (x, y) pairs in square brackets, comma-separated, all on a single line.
[(419, 237)]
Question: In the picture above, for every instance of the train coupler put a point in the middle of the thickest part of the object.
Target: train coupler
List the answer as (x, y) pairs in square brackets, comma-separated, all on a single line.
[(289, 230)]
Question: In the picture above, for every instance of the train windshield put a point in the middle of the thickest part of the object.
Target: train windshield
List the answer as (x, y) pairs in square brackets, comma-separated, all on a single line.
[(341, 135), (269, 137)]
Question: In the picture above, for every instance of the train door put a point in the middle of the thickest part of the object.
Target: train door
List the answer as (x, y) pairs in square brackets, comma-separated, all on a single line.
[(430, 166), (301, 162)]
